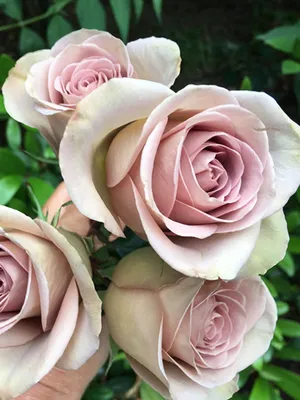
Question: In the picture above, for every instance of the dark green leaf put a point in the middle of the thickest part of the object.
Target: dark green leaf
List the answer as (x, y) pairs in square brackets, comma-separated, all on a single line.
[(290, 67), (288, 353), (157, 6), (3, 112), (10, 163), (244, 376), (114, 350), (294, 245), (30, 41), (91, 14), (293, 220), (282, 307), (98, 392), (258, 364), (138, 6), (246, 83), (41, 189), (13, 134), (270, 286), (122, 11), (57, 6), (286, 380), (287, 265), (18, 204), (296, 50), (9, 185), (32, 144), (57, 28), (261, 390), (37, 205), (289, 328), (6, 63), (282, 38), (121, 384), (13, 8), (147, 393)]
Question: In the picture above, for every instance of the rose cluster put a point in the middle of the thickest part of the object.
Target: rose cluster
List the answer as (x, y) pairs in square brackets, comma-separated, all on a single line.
[(202, 175)]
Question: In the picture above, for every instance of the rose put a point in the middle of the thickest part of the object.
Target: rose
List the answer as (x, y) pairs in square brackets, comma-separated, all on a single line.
[(42, 90), (203, 173), (69, 218), (187, 337), (50, 314)]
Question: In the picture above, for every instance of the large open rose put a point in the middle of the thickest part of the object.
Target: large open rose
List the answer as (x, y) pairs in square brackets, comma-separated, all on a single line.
[(203, 174), (185, 336), (42, 90), (50, 314)]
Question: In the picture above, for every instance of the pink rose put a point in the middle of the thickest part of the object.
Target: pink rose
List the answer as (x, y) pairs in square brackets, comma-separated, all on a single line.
[(187, 337), (44, 87), (50, 313), (70, 218), (203, 174)]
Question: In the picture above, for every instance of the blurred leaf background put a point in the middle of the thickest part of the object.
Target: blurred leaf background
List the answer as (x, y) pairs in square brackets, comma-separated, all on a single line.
[(252, 45)]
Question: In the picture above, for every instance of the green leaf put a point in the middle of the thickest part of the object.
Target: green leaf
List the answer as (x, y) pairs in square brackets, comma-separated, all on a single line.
[(282, 308), (38, 207), (289, 328), (32, 144), (246, 84), (9, 185), (296, 50), (270, 286), (18, 204), (13, 8), (57, 6), (287, 265), (286, 380), (290, 67), (98, 392), (282, 38), (114, 350), (57, 28), (122, 11), (261, 390), (138, 6), (13, 134), (147, 393), (288, 353), (294, 245), (293, 220), (258, 364), (91, 14), (157, 6), (121, 384), (30, 41), (10, 163), (3, 112), (6, 63), (41, 189), (244, 376)]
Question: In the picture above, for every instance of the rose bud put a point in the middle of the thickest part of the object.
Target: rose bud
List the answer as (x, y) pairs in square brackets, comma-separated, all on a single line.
[(203, 174), (187, 337), (50, 313), (45, 86)]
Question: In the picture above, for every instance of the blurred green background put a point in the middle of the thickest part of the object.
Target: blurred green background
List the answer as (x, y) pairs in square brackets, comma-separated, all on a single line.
[(251, 44)]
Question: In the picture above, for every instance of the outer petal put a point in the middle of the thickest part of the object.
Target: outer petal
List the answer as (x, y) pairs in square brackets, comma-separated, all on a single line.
[(17, 101), (270, 247), (137, 332), (208, 258), (76, 37), (155, 59), (13, 219), (284, 143), (88, 135), (41, 354)]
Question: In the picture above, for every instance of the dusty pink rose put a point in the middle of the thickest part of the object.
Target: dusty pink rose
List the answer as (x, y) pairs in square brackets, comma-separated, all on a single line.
[(187, 337), (50, 313), (44, 87), (70, 218), (203, 174)]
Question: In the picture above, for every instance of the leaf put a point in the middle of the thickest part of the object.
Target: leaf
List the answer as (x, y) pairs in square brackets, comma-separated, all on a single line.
[(31, 143), (147, 393), (258, 364), (57, 7), (98, 392), (13, 134), (13, 9), (35, 201), (288, 353), (293, 220), (270, 286), (138, 6), (122, 11), (122, 383), (282, 38), (261, 390), (57, 28), (114, 350), (294, 245), (282, 308), (244, 376), (286, 380), (6, 63), (296, 50), (3, 112), (157, 6), (9, 185), (289, 328), (30, 41), (246, 84), (290, 67), (10, 163), (18, 204), (91, 14), (41, 189), (287, 265)]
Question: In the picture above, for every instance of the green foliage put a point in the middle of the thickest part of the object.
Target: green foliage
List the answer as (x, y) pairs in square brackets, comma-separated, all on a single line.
[(91, 14), (30, 41), (147, 393), (57, 28), (122, 12)]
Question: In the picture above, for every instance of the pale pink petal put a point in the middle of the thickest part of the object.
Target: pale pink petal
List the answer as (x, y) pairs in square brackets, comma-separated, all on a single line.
[(76, 37), (155, 59), (23, 332)]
